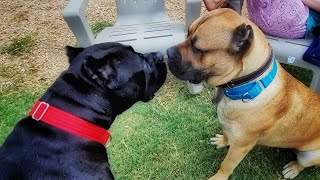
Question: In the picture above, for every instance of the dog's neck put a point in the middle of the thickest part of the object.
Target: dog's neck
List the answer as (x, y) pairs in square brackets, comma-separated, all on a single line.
[(257, 55), (86, 101)]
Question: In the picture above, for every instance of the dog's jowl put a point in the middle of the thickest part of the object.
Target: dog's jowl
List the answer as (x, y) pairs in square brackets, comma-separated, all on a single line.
[(64, 135), (257, 101)]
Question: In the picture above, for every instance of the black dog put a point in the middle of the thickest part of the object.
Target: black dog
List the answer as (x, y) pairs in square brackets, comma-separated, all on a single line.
[(101, 82)]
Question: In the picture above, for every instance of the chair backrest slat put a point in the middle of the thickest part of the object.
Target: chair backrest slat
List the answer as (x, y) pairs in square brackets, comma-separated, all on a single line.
[(127, 7)]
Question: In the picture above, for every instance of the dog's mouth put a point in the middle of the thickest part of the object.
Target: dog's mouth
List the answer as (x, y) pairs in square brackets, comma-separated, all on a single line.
[(177, 69), (185, 71), (183, 68)]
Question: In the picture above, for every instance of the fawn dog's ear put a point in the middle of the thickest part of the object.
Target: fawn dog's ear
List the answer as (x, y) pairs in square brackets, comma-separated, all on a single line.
[(241, 39)]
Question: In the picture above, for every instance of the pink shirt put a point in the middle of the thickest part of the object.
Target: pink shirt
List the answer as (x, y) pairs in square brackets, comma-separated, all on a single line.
[(281, 18)]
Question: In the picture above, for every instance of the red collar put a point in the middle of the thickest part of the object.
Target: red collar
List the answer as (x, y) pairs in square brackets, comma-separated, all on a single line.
[(68, 122)]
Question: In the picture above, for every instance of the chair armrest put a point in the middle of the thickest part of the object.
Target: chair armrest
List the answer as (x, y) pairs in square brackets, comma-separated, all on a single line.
[(192, 11), (74, 15), (289, 51)]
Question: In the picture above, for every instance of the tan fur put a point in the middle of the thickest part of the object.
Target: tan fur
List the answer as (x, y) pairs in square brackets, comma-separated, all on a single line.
[(285, 115)]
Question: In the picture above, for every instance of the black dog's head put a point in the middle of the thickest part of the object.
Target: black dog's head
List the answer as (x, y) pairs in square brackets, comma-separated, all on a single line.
[(121, 74)]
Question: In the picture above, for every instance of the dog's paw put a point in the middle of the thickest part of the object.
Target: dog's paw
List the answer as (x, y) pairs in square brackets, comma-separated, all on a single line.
[(291, 170), (219, 140), (218, 177)]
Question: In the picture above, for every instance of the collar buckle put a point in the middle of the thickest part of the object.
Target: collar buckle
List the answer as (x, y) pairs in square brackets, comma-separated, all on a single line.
[(42, 109), (244, 99), (230, 85), (108, 142)]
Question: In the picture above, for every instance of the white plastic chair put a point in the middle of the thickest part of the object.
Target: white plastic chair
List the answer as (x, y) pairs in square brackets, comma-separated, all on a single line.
[(290, 51), (143, 24)]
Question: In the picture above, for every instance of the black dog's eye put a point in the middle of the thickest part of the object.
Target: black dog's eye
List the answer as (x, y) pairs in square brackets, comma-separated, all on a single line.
[(117, 61)]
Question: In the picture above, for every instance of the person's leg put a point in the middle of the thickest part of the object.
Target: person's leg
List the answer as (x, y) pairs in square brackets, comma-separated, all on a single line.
[(237, 4), (213, 4), (312, 21)]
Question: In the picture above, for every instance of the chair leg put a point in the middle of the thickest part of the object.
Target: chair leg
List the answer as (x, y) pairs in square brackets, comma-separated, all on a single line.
[(195, 88)]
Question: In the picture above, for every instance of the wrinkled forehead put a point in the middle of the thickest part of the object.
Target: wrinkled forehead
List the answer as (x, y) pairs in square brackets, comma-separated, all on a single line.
[(214, 29)]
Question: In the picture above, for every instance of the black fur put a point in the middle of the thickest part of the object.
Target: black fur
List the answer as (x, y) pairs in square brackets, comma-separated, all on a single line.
[(102, 81)]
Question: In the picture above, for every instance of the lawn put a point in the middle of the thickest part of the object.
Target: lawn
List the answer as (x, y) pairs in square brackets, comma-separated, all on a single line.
[(166, 138)]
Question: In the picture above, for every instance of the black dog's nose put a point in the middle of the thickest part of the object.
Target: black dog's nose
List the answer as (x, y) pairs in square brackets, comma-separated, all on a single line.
[(171, 52), (159, 56), (155, 56)]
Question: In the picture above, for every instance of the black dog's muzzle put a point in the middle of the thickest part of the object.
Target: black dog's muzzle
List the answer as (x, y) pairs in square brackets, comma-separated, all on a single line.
[(151, 70)]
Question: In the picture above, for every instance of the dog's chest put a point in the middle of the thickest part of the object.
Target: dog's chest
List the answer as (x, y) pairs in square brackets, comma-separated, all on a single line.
[(229, 110), (235, 114), (227, 116)]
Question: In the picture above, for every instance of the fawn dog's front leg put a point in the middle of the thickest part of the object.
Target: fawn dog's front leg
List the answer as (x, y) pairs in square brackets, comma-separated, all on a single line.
[(236, 153)]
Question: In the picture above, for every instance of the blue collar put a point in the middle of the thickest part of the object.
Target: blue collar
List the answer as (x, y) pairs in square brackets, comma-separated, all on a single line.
[(249, 91)]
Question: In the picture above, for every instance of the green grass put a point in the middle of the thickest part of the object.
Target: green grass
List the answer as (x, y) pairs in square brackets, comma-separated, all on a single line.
[(167, 138), (14, 106), (303, 75), (18, 46), (99, 26)]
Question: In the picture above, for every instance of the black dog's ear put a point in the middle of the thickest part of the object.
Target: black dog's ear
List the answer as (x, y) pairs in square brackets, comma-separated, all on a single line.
[(102, 71), (103, 67), (72, 52), (241, 39), (129, 47)]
